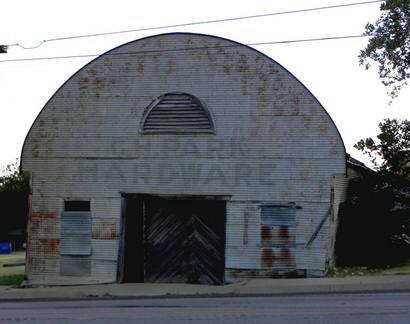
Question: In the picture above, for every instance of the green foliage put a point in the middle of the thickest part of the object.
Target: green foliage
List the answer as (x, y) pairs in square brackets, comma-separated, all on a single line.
[(389, 44), (374, 222), (353, 271), (392, 147), (11, 280), (12, 180), (335, 272)]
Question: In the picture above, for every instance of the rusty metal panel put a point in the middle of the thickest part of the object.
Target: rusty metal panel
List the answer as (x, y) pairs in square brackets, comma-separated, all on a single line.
[(278, 239), (281, 258), (280, 235), (75, 233), (105, 228), (274, 247)]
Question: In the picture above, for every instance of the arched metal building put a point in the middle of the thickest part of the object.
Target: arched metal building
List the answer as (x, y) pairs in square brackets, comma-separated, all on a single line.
[(182, 158)]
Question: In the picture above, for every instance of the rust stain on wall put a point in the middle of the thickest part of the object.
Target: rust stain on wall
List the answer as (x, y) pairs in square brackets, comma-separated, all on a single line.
[(44, 247), (37, 219), (43, 215), (268, 258), (284, 232), (227, 68), (105, 231), (266, 235), (49, 245), (243, 65), (140, 68), (287, 258), (171, 66)]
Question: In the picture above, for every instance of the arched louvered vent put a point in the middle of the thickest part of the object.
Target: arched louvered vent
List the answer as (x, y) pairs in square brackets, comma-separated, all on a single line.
[(177, 112)]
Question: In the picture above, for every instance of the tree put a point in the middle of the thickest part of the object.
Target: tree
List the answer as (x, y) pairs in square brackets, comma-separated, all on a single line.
[(390, 154), (389, 44), (374, 222), (13, 180)]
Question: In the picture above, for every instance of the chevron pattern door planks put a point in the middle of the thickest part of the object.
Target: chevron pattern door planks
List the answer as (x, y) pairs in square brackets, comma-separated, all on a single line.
[(184, 241)]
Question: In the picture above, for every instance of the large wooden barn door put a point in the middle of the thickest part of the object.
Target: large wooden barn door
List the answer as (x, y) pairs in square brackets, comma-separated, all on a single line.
[(183, 241)]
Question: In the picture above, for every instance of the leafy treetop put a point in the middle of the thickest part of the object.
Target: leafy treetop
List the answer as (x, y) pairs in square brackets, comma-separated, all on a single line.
[(389, 44), (12, 180), (392, 147)]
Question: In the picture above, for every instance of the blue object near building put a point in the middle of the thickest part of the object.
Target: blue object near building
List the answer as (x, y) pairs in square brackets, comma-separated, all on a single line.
[(5, 248)]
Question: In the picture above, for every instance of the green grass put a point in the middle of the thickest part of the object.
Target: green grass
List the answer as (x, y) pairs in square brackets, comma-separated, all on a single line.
[(12, 280), (12, 275), (366, 271), (15, 257)]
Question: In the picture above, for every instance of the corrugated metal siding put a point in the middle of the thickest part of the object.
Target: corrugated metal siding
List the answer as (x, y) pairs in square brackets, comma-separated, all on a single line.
[(245, 259), (340, 184), (44, 264), (273, 143)]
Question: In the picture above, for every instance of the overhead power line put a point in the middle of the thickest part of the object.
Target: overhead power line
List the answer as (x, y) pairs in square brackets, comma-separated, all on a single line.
[(203, 22), (170, 50)]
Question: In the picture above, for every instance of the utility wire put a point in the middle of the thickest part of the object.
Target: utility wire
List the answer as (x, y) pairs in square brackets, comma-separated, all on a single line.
[(196, 23), (170, 50)]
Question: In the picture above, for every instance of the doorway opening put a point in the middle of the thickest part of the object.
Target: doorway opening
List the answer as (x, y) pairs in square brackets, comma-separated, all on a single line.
[(173, 240)]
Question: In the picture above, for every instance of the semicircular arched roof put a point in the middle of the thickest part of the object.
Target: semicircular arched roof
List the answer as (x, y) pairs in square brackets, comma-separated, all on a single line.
[(215, 70)]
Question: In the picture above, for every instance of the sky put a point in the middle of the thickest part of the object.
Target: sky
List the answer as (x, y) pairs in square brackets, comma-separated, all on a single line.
[(354, 97)]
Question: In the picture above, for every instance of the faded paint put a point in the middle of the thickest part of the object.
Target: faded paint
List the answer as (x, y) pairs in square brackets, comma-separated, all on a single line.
[(273, 143), (105, 231)]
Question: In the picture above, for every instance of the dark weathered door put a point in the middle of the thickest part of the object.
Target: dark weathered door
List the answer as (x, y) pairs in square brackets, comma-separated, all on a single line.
[(173, 240), (184, 241)]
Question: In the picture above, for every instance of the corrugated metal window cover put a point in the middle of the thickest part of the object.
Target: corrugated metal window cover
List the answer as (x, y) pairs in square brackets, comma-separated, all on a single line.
[(75, 233), (278, 215), (177, 112), (278, 236)]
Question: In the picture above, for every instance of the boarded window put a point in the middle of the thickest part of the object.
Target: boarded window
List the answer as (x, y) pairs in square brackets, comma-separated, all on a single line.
[(177, 113), (278, 236), (75, 233), (75, 244), (278, 215)]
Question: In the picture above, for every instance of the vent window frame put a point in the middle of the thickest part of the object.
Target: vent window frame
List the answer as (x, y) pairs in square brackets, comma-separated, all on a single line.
[(177, 129)]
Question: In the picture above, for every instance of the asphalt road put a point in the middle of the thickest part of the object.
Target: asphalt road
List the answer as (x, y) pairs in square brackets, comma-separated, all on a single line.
[(326, 308)]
